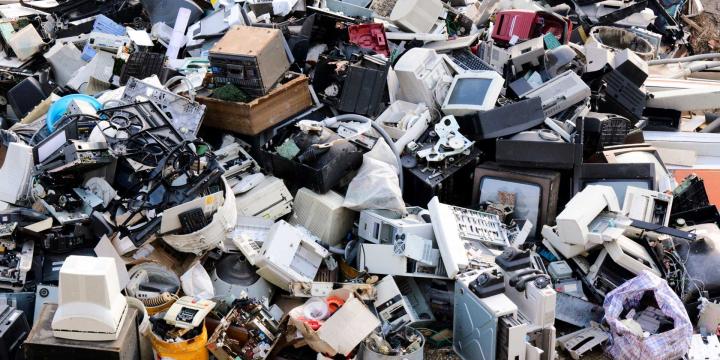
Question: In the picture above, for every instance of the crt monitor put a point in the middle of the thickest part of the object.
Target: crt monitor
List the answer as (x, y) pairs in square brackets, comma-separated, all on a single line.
[(473, 92), (619, 186), (616, 176), (641, 153), (535, 190)]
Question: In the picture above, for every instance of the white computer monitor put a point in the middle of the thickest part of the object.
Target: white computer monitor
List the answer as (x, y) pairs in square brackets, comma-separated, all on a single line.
[(473, 92), (420, 72)]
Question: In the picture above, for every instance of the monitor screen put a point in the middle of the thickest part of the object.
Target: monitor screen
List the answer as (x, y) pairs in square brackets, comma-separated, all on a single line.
[(620, 186), (527, 196), (663, 181), (469, 91), (51, 145)]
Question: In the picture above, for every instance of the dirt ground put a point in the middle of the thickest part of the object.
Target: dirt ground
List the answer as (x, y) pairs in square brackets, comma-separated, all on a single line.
[(708, 38)]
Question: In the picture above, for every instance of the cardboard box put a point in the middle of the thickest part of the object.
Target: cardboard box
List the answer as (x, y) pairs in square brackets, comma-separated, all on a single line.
[(254, 117), (342, 331)]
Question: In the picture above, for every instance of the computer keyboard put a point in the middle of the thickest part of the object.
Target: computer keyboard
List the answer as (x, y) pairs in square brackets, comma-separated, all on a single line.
[(468, 61)]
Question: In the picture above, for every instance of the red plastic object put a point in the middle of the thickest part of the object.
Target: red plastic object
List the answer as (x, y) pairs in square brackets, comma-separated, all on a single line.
[(369, 36), (334, 303), (313, 324), (528, 24)]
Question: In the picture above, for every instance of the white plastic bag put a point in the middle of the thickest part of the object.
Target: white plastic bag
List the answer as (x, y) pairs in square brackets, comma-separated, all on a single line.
[(196, 282), (376, 185), (626, 345)]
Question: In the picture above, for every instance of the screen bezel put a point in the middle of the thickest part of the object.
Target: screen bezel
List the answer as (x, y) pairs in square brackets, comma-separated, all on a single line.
[(597, 172), (549, 181), (491, 96)]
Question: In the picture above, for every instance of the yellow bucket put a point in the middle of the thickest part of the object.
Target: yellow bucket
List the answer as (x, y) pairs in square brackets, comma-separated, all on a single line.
[(193, 349)]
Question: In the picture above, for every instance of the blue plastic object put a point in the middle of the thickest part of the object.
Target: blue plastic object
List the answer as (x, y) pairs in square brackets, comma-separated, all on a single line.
[(59, 108), (88, 52), (106, 25)]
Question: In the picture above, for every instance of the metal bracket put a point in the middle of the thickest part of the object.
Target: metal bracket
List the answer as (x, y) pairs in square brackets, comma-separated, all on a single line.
[(451, 141)]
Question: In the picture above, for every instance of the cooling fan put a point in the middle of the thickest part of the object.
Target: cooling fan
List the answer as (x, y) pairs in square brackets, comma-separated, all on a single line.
[(121, 125), (147, 148)]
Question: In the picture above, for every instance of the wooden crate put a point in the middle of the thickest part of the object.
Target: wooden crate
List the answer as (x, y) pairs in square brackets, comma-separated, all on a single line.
[(42, 345), (254, 117)]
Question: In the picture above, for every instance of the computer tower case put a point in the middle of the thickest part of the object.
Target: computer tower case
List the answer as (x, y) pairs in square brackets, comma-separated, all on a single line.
[(486, 326)]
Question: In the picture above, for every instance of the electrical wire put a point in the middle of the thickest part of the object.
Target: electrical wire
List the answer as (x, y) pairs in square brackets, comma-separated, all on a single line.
[(695, 68), (684, 59), (362, 251), (681, 264), (111, 101), (188, 83), (362, 119)]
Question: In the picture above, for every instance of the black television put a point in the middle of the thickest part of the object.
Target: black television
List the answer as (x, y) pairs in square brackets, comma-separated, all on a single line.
[(536, 191)]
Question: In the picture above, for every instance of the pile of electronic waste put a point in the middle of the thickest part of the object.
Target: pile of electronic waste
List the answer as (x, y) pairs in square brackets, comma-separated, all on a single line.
[(367, 179)]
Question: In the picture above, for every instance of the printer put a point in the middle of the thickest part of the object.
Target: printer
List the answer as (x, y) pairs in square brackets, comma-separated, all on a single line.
[(593, 219), (647, 205), (584, 223), (288, 255), (383, 226)]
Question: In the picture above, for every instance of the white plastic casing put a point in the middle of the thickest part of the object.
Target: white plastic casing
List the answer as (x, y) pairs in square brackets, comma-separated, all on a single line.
[(90, 305)]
